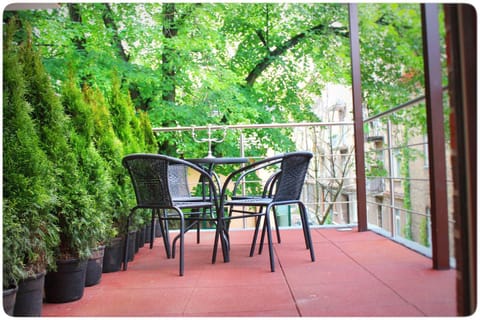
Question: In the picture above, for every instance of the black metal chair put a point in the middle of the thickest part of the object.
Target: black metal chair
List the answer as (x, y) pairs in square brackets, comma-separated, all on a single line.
[(268, 189), (288, 183), (153, 183), (180, 189), (179, 186)]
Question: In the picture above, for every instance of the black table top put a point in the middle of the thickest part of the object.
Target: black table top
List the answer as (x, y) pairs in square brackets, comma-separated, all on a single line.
[(220, 160)]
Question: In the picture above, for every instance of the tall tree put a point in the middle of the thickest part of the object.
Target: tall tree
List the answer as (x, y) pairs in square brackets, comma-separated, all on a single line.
[(227, 63)]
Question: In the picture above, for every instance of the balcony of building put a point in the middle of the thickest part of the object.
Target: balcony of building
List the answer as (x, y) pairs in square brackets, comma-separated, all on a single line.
[(355, 274), (386, 244)]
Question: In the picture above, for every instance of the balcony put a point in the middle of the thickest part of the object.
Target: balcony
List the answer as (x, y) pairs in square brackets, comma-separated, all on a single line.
[(355, 274)]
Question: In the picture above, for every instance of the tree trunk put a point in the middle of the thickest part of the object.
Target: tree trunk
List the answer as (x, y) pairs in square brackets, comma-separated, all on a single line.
[(168, 69)]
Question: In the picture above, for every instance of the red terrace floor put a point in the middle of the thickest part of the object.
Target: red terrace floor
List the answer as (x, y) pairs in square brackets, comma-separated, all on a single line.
[(355, 274)]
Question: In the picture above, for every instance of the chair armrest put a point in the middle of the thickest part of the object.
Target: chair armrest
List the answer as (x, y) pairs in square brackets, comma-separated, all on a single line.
[(244, 175), (238, 175)]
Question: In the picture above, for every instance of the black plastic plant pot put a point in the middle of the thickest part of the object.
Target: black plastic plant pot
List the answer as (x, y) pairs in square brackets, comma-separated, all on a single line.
[(9, 296), (95, 267), (29, 299), (113, 256), (67, 283)]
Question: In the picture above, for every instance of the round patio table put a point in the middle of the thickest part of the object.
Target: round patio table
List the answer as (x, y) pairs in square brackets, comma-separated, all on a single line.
[(208, 163)]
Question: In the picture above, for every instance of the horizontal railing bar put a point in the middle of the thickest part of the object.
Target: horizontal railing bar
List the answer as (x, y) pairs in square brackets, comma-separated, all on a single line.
[(329, 202), (398, 178), (403, 178), (401, 106), (256, 126), (400, 209), (418, 144), (406, 210)]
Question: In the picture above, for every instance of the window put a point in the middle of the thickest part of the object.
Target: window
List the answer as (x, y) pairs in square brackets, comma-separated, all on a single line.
[(397, 222), (426, 162), (380, 215), (396, 166)]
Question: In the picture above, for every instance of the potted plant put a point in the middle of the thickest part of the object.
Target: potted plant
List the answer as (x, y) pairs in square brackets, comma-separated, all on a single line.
[(96, 172), (11, 259), (29, 231), (73, 208), (117, 133), (111, 150)]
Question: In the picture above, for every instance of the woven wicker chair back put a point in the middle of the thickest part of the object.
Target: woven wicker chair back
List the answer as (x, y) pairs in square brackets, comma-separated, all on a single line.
[(150, 180), (292, 176), (178, 180)]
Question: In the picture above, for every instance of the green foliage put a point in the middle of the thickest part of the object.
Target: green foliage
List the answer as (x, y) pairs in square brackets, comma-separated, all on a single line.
[(94, 170), (65, 188), (375, 168), (112, 150), (124, 122), (217, 63), (145, 127), (424, 232), (13, 269), (58, 137), (392, 58), (29, 231), (209, 58), (407, 157), (292, 49)]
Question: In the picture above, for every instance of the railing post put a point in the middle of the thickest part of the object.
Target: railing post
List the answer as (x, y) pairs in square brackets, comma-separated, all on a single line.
[(358, 119), (393, 222), (436, 136)]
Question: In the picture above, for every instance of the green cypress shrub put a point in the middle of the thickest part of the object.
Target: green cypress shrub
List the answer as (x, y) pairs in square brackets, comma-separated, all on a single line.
[(29, 234), (149, 141), (112, 151), (128, 128), (123, 118), (94, 169), (74, 207)]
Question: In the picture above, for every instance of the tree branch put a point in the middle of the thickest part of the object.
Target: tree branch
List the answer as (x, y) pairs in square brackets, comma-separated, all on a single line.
[(75, 16), (287, 45), (262, 38), (110, 24)]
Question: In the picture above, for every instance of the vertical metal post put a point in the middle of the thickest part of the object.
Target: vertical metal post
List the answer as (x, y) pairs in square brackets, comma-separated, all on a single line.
[(436, 136), (242, 155), (393, 222), (358, 119), (462, 57)]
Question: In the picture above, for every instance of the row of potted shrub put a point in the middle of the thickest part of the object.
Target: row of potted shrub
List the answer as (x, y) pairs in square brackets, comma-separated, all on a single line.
[(65, 192)]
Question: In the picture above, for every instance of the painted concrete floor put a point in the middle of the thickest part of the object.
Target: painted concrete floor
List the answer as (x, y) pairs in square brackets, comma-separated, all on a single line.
[(355, 274)]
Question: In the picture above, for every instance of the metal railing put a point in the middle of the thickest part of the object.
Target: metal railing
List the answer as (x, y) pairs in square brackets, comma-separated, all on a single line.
[(401, 210), (319, 191), (398, 198)]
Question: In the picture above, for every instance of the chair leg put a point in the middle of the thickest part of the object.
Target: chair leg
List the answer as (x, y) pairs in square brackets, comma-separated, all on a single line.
[(275, 220), (260, 248), (304, 226), (182, 245), (269, 238), (125, 250), (198, 231), (225, 240), (226, 232), (255, 235), (204, 210), (226, 225), (152, 229), (220, 235), (262, 239), (306, 230), (165, 234), (215, 245)]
